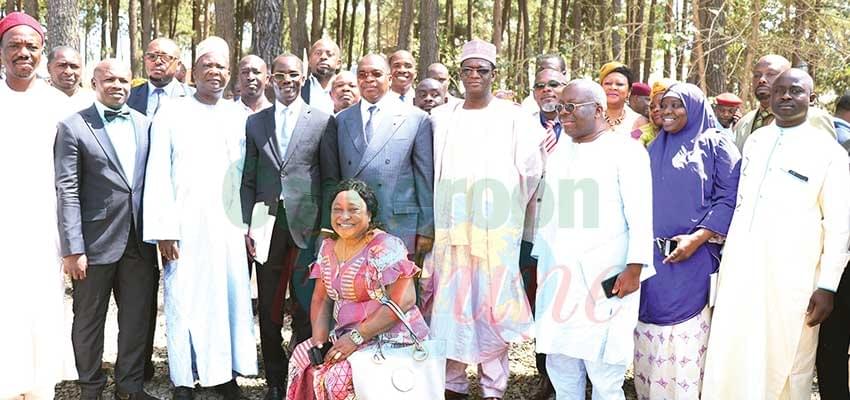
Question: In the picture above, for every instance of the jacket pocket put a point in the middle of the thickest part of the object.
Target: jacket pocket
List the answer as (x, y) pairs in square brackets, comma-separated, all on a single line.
[(94, 214)]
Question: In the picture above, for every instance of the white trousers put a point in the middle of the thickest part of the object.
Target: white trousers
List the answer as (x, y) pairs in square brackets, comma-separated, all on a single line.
[(568, 377), (492, 376)]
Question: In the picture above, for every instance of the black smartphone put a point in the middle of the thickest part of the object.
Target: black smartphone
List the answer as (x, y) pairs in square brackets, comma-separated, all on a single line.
[(317, 354), (669, 246), (608, 286)]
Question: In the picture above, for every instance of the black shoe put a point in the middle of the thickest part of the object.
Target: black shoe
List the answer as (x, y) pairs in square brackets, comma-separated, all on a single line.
[(450, 395), (274, 393), (183, 393), (149, 371), (229, 390), (545, 390), (140, 395)]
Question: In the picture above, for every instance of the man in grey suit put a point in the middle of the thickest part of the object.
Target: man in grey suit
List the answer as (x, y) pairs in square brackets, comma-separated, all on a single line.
[(162, 60), (100, 157), (389, 145), (291, 166)]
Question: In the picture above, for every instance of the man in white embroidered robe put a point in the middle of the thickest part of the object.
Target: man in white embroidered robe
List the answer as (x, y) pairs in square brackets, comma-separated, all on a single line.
[(784, 255)]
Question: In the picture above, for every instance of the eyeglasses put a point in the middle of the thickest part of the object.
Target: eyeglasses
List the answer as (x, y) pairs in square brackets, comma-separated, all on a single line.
[(482, 72), (561, 108), (375, 73), (552, 84), (281, 77), (154, 57)]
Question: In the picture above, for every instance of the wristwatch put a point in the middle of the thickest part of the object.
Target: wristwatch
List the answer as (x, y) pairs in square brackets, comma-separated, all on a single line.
[(356, 337)]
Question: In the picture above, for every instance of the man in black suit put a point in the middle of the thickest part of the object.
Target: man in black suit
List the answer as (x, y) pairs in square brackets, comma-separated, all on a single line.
[(323, 62), (291, 166), (162, 61), (100, 157)]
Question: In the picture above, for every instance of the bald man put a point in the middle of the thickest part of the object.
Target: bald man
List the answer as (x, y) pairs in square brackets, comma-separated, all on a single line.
[(162, 61), (778, 276), (65, 67), (429, 94), (440, 72), (324, 63), (764, 73), (35, 349), (252, 82), (344, 91), (100, 158), (402, 76)]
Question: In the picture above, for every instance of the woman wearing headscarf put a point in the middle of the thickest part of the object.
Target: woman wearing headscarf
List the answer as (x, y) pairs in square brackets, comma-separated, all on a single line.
[(616, 79), (648, 131), (695, 171)]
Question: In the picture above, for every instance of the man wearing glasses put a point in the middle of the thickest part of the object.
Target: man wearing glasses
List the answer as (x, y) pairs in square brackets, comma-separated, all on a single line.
[(488, 162), (162, 59), (291, 167)]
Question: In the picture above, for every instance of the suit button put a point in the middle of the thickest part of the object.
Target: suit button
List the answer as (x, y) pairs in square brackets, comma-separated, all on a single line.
[(349, 162), (379, 185), (387, 162)]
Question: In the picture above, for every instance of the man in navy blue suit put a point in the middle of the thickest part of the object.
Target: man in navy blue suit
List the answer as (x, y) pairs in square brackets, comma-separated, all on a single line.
[(162, 60)]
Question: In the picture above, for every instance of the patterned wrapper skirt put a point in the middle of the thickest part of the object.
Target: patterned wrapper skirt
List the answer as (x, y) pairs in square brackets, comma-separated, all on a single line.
[(670, 360)]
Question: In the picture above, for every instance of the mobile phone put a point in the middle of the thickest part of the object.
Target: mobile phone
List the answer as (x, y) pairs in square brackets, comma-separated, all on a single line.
[(608, 286), (317, 353), (669, 246)]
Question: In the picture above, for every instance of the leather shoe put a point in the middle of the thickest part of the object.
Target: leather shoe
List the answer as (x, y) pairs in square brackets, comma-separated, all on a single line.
[(450, 395), (545, 390), (140, 395), (183, 393), (149, 371), (274, 393), (229, 390)]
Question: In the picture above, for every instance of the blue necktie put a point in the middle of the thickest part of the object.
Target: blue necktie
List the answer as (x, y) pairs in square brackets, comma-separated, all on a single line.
[(157, 94), (368, 132)]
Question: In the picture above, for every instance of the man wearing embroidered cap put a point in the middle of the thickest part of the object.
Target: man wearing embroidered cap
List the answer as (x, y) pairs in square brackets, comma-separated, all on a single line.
[(36, 345), (192, 211), (480, 201)]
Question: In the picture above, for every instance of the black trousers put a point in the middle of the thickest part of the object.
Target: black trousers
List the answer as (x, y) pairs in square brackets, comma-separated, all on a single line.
[(130, 280), (289, 262), (833, 341), (528, 270), (151, 333)]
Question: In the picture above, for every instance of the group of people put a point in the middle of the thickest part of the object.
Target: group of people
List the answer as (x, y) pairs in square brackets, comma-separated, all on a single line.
[(616, 223)]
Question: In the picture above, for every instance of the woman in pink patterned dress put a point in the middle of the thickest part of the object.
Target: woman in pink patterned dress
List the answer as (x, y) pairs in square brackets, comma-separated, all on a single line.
[(352, 271)]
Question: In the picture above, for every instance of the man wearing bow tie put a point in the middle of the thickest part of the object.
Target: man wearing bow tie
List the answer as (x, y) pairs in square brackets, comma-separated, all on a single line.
[(100, 157)]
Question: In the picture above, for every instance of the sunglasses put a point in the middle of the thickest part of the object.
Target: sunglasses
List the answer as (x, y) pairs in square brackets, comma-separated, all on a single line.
[(482, 72), (280, 77), (552, 84)]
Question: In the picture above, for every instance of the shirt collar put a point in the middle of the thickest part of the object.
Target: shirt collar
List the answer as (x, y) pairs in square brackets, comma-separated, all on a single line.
[(316, 85), (101, 108), (168, 89), (383, 104), (295, 107)]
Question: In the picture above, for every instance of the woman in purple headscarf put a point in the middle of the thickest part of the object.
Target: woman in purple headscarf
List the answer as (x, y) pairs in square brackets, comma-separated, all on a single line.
[(695, 171)]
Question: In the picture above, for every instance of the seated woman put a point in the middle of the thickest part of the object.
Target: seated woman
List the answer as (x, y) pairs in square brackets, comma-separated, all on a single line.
[(352, 271), (695, 170)]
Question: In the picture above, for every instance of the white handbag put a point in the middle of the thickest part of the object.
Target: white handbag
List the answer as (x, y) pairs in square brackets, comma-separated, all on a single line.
[(383, 371)]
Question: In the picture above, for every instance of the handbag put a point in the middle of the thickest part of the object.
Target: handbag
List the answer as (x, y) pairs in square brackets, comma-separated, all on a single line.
[(414, 371)]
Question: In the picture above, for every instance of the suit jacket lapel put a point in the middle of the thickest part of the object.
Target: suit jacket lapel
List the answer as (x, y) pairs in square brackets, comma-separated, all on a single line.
[(139, 102), (95, 123), (141, 148), (388, 127), (271, 132), (301, 124), (354, 126)]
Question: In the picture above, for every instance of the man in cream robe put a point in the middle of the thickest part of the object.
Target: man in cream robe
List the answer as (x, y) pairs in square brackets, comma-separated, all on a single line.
[(192, 209), (35, 342), (488, 162), (784, 255), (595, 223)]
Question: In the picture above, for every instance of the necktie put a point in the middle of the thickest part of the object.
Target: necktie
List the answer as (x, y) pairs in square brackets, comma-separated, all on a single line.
[(110, 115), (283, 135), (368, 132), (762, 118), (401, 97), (157, 95)]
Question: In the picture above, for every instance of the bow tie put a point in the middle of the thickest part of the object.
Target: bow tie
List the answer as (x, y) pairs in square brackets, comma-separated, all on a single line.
[(110, 115)]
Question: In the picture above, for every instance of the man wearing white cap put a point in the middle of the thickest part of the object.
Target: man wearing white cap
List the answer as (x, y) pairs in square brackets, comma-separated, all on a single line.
[(192, 211), (480, 202)]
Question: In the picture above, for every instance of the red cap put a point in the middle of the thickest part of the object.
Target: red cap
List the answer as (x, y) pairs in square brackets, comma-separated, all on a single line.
[(17, 19), (728, 99), (641, 89)]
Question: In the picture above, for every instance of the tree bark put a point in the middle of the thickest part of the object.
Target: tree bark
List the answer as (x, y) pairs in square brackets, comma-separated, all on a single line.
[(351, 32), (133, 30), (680, 52), (196, 25), (541, 26), (367, 17), (650, 43), (267, 21), (575, 58), (147, 17), (450, 24), (316, 21), (63, 23), (637, 39), (751, 48), (104, 28), (238, 30), (713, 22), (468, 19), (113, 29), (224, 26), (429, 47), (404, 24), (31, 8), (297, 10), (698, 74), (552, 38), (342, 19), (616, 40), (669, 28), (497, 25), (564, 26), (10, 6)]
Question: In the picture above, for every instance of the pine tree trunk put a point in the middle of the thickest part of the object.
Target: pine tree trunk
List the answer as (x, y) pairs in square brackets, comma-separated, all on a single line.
[(575, 57), (751, 48), (147, 17), (10, 6), (552, 37), (429, 47), (541, 26), (267, 22), (367, 17), (104, 28), (351, 32), (62, 23), (113, 29), (468, 19), (196, 25), (604, 21), (404, 24), (238, 31), (713, 17), (650, 43), (133, 31), (637, 39), (564, 26), (224, 26), (342, 19), (31, 8), (697, 74), (680, 56), (316, 21)]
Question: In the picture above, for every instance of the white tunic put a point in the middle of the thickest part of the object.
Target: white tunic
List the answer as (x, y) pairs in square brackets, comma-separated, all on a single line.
[(487, 165), (596, 217), (789, 235), (192, 195), (35, 342)]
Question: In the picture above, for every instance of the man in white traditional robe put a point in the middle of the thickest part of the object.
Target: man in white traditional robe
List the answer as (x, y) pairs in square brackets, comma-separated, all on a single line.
[(594, 224), (487, 166), (784, 255), (35, 342), (65, 66), (192, 210)]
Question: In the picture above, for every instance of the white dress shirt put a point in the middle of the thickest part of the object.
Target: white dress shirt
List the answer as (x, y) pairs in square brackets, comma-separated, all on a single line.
[(168, 91), (385, 104), (320, 98), (122, 135)]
